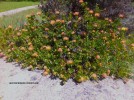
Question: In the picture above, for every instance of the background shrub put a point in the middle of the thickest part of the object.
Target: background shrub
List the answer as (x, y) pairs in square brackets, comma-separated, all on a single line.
[(109, 8)]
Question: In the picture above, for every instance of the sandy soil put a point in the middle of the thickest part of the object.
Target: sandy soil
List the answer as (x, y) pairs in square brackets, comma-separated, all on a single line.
[(48, 89)]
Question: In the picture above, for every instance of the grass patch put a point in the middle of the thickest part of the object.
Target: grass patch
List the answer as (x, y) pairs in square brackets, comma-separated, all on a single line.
[(16, 20), (4, 6)]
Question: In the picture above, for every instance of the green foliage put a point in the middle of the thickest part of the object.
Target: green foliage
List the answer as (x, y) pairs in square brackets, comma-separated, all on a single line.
[(4, 6), (78, 47), (21, 0)]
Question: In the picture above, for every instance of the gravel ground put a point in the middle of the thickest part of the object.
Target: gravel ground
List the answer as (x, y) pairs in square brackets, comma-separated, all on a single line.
[(14, 11), (48, 89)]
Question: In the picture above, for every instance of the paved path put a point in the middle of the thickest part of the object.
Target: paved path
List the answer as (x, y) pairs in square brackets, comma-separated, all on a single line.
[(10, 12), (48, 89)]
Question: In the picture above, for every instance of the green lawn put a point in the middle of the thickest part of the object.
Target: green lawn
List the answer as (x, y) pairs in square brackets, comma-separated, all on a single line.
[(4, 6), (16, 20)]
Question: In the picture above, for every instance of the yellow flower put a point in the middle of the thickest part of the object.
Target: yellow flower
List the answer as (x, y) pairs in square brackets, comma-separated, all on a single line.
[(29, 43), (124, 29), (48, 48), (104, 38)]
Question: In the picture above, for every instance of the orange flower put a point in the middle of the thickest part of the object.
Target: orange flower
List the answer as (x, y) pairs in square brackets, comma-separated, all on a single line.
[(76, 13), (38, 13), (79, 18), (11, 44), (70, 62), (121, 15), (63, 33), (97, 14), (65, 38), (31, 48), (73, 32), (95, 25), (45, 73), (10, 26), (35, 54), (81, 1), (94, 76), (22, 48), (107, 19), (108, 72), (91, 11), (110, 20), (97, 57), (60, 50), (73, 40), (27, 16), (57, 12), (58, 20), (123, 42), (62, 21), (46, 29), (132, 45), (52, 22), (19, 34), (104, 75)]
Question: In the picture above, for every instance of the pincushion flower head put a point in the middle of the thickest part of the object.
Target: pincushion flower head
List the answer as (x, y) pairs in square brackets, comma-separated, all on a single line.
[(52, 22), (81, 1)]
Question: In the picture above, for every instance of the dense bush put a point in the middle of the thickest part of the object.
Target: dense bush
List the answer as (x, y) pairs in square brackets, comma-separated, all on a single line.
[(74, 46)]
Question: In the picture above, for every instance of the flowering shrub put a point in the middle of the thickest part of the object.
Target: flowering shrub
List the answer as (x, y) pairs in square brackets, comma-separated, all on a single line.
[(80, 47)]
